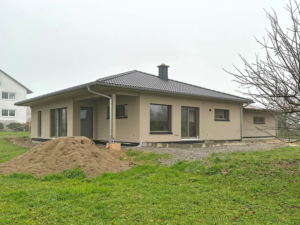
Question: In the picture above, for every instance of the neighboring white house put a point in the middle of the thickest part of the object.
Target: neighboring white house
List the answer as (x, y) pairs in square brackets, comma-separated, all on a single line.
[(11, 91)]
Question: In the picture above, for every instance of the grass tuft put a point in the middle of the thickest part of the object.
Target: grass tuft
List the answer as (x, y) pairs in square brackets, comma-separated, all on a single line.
[(130, 152), (76, 173), (21, 176)]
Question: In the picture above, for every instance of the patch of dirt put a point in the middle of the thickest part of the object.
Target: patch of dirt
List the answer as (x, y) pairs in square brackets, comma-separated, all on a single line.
[(118, 153), (22, 142), (64, 153), (286, 164)]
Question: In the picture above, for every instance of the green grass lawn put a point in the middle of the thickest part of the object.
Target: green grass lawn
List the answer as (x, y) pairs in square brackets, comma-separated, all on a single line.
[(232, 188), (9, 151)]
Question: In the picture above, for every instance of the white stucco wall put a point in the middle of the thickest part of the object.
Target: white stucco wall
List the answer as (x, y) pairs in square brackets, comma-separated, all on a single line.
[(9, 85)]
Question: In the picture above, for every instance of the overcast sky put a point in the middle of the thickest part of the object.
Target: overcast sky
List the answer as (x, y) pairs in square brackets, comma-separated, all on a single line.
[(51, 45)]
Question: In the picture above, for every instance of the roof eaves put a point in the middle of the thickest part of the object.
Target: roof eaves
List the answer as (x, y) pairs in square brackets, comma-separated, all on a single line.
[(20, 103)]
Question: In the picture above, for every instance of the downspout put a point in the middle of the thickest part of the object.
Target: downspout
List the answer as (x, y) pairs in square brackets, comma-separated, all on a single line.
[(242, 117), (110, 111)]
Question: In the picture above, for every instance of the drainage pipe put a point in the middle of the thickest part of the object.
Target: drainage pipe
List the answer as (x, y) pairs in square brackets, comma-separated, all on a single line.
[(242, 117), (110, 112)]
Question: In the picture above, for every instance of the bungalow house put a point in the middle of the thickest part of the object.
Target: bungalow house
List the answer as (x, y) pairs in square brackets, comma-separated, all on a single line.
[(145, 108)]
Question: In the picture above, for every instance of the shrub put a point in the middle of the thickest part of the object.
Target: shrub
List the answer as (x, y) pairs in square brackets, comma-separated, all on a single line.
[(1, 126), (13, 125), (18, 126)]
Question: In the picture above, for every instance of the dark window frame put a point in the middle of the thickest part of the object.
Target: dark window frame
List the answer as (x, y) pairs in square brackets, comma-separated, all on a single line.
[(220, 119), (169, 118), (257, 122), (119, 117), (39, 123), (8, 95), (8, 112), (53, 126)]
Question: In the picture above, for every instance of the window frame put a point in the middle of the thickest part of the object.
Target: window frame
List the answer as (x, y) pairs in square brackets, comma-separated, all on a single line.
[(222, 120), (39, 123), (119, 117), (8, 111), (8, 96), (59, 122), (169, 118), (257, 122), (197, 117)]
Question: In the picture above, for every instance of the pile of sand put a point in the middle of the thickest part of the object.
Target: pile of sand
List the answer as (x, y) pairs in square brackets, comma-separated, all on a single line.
[(65, 153)]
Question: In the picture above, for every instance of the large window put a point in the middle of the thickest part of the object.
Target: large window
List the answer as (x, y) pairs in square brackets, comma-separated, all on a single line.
[(8, 112), (39, 123), (58, 122), (258, 120), (121, 111), (160, 118), (8, 95), (221, 115)]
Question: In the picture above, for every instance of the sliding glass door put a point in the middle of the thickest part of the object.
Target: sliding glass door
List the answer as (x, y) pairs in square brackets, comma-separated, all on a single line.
[(189, 122), (58, 122)]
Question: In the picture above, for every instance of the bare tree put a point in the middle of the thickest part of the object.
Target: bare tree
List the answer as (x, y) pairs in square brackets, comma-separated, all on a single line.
[(274, 81)]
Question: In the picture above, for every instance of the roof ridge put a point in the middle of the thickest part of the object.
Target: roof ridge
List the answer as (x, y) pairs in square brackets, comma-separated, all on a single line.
[(194, 85), (115, 76)]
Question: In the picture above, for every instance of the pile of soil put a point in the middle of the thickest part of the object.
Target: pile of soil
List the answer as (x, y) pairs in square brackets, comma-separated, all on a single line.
[(65, 153)]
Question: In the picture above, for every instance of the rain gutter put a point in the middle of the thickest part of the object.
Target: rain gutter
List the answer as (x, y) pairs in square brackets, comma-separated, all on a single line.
[(110, 111)]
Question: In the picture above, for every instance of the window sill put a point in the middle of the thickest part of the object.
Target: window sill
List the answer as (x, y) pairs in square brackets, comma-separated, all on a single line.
[(119, 118), (222, 120), (259, 123), (161, 133)]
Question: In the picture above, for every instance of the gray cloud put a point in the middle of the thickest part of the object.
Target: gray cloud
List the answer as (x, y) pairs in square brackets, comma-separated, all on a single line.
[(51, 45)]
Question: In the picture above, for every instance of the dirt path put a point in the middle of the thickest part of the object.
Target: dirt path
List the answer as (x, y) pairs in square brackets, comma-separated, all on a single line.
[(180, 154), (22, 142)]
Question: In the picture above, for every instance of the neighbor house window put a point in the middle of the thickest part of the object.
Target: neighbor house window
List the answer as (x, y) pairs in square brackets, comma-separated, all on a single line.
[(160, 118), (221, 115), (8, 112), (121, 111), (8, 95), (258, 120), (39, 123), (58, 122)]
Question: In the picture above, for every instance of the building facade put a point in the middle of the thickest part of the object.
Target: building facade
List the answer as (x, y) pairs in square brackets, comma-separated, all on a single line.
[(11, 92)]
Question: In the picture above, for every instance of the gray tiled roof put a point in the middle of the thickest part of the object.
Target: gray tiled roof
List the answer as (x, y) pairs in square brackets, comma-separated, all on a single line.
[(141, 80)]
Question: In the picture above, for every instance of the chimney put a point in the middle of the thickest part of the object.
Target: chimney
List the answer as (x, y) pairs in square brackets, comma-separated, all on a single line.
[(163, 71)]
